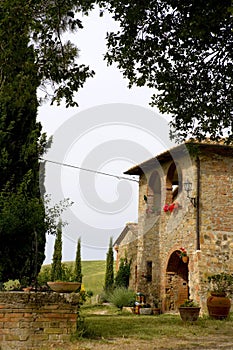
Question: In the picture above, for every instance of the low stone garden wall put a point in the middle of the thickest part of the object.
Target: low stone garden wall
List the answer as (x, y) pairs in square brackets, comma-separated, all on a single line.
[(32, 320)]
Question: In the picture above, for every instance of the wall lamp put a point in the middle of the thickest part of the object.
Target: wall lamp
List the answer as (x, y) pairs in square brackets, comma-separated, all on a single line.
[(188, 189)]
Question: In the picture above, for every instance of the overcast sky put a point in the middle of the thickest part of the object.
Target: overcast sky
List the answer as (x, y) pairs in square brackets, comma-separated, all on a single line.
[(106, 133)]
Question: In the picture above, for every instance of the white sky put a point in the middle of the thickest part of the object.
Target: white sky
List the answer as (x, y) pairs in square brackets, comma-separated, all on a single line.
[(107, 87)]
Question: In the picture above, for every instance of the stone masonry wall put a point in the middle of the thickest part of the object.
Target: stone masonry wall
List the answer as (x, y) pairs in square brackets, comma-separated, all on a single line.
[(216, 207), (30, 321), (161, 234)]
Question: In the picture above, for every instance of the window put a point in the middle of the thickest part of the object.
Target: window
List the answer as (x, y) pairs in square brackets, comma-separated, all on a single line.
[(173, 182), (149, 271), (154, 193)]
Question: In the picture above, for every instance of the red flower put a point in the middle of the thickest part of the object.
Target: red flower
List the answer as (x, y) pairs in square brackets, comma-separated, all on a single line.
[(166, 208), (172, 207), (183, 252)]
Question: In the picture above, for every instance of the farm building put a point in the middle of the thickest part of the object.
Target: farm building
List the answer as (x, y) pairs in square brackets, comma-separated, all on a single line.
[(185, 205)]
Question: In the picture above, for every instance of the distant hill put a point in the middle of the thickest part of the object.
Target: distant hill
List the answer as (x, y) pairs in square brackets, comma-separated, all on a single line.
[(93, 274)]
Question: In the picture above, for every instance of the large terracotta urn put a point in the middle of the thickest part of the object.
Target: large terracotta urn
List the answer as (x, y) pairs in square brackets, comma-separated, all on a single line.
[(218, 305)]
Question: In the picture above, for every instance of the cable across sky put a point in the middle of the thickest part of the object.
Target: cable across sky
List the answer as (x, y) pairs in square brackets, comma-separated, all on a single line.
[(89, 170)]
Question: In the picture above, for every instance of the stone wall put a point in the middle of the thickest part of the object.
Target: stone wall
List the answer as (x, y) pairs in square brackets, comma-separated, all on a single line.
[(128, 248), (161, 234), (30, 320), (216, 221)]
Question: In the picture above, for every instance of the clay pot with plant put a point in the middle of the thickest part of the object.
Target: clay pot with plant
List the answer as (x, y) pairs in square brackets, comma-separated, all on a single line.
[(221, 289), (189, 310), (183, 255)]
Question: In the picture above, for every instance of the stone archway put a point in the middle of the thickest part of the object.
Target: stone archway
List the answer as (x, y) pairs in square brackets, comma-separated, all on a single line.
[(176, 289)]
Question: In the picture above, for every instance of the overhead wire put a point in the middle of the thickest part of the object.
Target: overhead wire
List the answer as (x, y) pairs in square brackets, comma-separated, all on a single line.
[(89, 170)]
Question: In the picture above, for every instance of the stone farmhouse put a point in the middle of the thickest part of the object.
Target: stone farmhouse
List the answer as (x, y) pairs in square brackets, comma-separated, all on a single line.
[(185, 201)]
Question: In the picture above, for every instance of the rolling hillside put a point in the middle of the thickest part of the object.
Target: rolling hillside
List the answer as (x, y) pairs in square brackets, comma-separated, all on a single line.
[(93, 274)]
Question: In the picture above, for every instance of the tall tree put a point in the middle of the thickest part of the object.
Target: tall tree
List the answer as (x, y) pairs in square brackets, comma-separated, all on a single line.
[(21, 207), (56, 267), (123, 274), (182, 50), (33, 54), (22, 236), (109, 274), (78, 263)]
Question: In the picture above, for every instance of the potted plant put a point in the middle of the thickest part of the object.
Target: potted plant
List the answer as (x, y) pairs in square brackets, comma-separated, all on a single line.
[(156, 309), (67, 283), (64, 287), (145, 309), (221, 288), (189, 310), (183, 255), (171, 207)]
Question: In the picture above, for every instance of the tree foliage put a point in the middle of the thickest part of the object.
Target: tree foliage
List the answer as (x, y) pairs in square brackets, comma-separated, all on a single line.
[(22, 224), (78, 263), (33, 54), (56, 267), (33, 31), (22, 233), (123, 273), (183, 51), (109, 274)]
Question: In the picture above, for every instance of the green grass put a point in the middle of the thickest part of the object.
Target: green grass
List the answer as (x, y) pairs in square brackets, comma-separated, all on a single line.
[(108, 323), (93, 275)]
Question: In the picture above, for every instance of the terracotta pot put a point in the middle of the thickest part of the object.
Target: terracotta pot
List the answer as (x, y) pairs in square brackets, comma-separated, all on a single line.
[(145, 311), (189, 313), (185, 259), (218, 305), (64, 287), (156, 311)]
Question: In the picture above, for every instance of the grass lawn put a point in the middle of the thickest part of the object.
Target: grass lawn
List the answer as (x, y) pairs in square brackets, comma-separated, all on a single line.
[(104, 327), (107, 328)]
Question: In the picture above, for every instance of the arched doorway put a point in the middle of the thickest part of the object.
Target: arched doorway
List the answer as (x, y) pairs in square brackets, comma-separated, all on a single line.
[(177, 289)]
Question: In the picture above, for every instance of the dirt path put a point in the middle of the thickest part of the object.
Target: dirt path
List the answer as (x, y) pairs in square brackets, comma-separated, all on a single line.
[(206, 343)]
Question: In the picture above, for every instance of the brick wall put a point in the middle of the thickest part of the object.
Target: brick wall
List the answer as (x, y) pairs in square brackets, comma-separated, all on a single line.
[(31, 320)]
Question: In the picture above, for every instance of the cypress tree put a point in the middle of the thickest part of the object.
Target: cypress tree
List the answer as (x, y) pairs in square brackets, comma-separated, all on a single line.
[(78, 264), (56, 268), (123, 274), (22, 224), (31, 54), (109, 274)]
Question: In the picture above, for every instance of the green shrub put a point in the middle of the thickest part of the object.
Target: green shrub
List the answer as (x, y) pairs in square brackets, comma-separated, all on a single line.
[(189, 303), (104, 296), (90, 293), (68, 274), (12, 285), (122, 297), (123, 274), (44, 275), (221, 283)]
